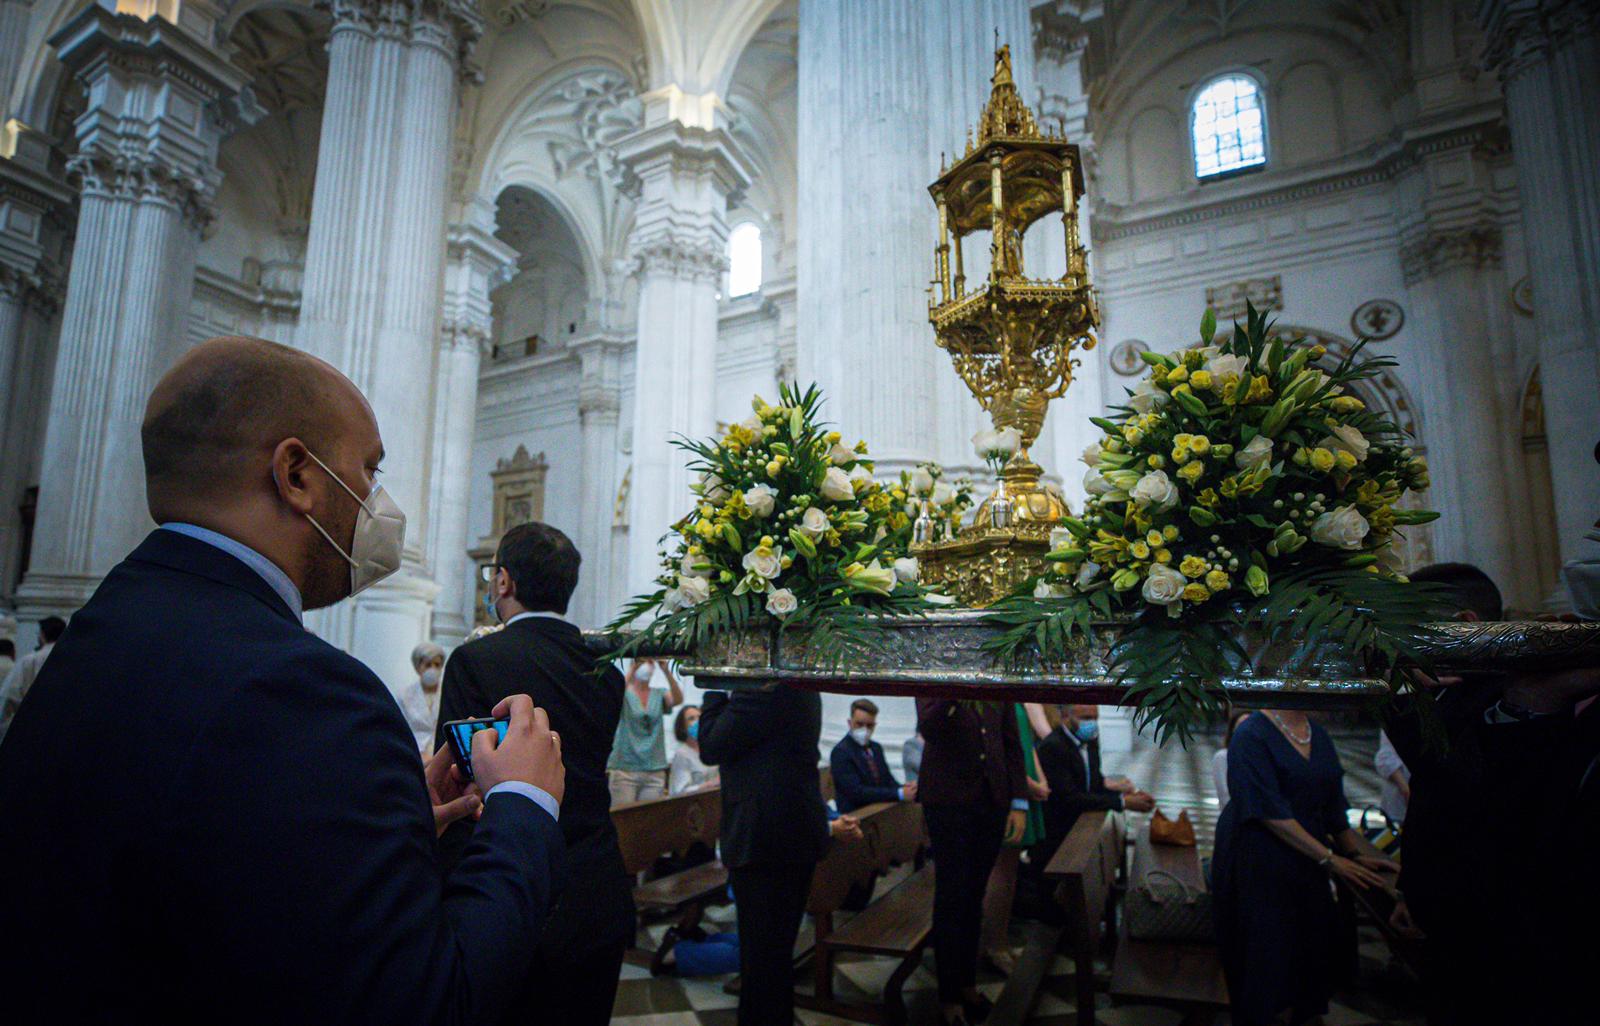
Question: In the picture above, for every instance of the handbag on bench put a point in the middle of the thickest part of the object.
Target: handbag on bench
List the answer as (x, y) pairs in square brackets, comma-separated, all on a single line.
[(1161, 907), (1178, 832)]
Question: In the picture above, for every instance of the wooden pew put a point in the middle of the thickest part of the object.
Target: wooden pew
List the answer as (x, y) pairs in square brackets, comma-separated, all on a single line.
[(1187, 976), (1085, 869), (896, 925), (671, 826)]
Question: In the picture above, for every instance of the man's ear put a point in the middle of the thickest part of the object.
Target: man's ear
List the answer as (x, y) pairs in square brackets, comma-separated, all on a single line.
[(291, 474)]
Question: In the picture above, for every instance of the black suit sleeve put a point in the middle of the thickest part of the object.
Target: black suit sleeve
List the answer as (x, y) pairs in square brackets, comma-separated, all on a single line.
[(308, 793), (733, 726), (1065, 773), (460, 696), (850, 786)]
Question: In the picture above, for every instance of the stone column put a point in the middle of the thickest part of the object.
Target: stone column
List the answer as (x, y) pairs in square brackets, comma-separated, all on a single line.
[(374, 268), (684, 175), (885, 88), (13, 45), (477, 262), (602, 362), (1548, 55), (146, 162)]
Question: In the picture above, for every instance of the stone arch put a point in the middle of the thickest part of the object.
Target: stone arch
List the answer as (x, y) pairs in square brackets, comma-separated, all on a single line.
[(550, 292)]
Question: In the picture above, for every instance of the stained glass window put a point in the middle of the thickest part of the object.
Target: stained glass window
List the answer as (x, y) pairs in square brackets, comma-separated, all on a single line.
[(1228, 126)]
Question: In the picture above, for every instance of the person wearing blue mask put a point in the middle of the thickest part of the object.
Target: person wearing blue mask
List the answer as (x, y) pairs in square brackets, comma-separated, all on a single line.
[(687, 772), (1070, 758)]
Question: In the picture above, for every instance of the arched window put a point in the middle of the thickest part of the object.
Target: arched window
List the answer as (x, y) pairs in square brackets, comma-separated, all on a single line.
[(744, 260), (1228, 124)]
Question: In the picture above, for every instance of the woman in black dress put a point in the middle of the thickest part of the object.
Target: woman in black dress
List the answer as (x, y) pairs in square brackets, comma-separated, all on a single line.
[(1282, 833)]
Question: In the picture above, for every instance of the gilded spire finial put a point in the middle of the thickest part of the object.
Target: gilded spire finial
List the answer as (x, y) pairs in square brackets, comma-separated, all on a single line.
[(1005, 114)]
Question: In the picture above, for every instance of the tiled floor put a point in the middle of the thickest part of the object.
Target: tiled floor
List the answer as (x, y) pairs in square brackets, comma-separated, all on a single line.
[(1180, 779)]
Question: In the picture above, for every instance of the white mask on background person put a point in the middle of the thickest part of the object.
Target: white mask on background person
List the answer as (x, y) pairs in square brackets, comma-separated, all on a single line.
[(430, 678), (861, 735), (646, 672), (379, 539)]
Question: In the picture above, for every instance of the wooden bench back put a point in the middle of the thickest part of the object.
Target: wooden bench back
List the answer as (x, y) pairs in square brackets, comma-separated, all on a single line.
[(892, 833), (648, 830), (1085, 868)]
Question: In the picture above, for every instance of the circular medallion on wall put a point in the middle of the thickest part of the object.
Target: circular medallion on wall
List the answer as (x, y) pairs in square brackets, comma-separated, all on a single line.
[(1522, 296), (1125, 357), (1378, 319)]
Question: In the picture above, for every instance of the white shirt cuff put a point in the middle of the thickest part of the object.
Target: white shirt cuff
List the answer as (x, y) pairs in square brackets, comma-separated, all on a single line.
[(538, 795), (1019, 804)]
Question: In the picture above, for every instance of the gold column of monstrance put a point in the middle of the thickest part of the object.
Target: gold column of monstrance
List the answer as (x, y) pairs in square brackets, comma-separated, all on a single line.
[(1012, 339)]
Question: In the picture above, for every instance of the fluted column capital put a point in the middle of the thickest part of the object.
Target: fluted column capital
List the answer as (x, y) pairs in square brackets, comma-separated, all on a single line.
[(1519, 34), (687, 259), (1432, 252), (452, 27)]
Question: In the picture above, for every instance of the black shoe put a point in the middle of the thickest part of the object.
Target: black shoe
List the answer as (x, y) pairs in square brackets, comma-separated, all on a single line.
[(658, 961), (977, 1011)]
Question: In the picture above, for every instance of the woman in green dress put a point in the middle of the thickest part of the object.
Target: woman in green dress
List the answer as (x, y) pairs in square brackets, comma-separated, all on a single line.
[(1032, 724)]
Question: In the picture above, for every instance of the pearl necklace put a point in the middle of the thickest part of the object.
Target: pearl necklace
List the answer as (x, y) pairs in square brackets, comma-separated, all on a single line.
[(1289, 733)]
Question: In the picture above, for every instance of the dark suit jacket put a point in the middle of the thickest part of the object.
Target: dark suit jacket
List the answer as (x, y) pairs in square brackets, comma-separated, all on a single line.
[(973, 754), (766, 743), (1073, 789), (546, 659), (854, 783), (207, 807)]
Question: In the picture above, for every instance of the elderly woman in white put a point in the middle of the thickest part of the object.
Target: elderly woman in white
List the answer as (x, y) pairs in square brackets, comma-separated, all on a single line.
[(420, 701)]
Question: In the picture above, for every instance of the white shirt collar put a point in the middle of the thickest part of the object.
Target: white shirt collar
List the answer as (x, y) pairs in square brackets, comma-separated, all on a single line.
[(543, 613), (265, 568)]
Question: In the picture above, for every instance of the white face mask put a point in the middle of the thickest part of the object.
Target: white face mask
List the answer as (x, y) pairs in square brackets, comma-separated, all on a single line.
[(430, 678), (646, 672), (379, 538), (861, 735)]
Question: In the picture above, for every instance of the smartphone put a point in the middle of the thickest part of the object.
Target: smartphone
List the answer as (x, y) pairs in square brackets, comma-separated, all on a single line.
[(459, 734)]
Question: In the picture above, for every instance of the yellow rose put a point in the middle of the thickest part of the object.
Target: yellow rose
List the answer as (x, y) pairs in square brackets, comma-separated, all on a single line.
[(1154, 539), (1200, 380), (1260, 390), (1323, 460), (1192, 567), (1191, 472), (1181, 455), (1345, 459), (1163, 555), (1155, 461), (1139, 550), (1169, 533), (1346, 404), (1199, 445), (1217, 581), (1133, 435), (1178, 375), (1195, 593)]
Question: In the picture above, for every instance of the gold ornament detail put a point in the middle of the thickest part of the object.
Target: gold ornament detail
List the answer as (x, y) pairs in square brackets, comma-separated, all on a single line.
[(1013, 340)]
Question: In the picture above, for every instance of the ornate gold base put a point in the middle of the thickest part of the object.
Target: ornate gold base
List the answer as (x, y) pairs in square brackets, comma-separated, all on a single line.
[(984, 564)]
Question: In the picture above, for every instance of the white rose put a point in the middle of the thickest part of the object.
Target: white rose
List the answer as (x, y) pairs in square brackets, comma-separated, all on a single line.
[(906, 570), (1341, 528), (1007, 441), (694, 590), (1086, 574), (1091, 455), (1225, 365), (761, 499), (840, 454), (983, 443), (1046, 590), (781, 602), (943, 493), (1257, 454), (935, 598), (860, 476), (752, 424), (1095, 482), (814, 522), (1157, 490), (1147, 398), (1348, 439), (1164, 586), (672, 601), (1060, 538), (836, 485), (921, 481), (688, 567), (712, 488), (764, 562)]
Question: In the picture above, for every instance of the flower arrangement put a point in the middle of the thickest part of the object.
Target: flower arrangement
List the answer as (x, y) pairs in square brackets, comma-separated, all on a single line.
[(789, 523), (1241, 483)]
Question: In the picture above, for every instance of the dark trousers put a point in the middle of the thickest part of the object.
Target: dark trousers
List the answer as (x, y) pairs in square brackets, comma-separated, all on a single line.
[(770, 901), (966, 841), (575, 991)]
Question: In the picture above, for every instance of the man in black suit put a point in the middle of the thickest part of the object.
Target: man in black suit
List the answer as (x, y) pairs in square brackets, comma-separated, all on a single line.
[(774, 829), (860, 771), (1070, 759), (206, 807), (539, 653)]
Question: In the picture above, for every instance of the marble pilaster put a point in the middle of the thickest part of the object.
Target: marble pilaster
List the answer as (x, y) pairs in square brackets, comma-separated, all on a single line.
[(1547, 53), (684, 175), (475, 264), (146, 167), (371, 292), (602, 364)]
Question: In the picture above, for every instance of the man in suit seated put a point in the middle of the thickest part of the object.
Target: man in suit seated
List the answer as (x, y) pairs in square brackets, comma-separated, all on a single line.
[(573, 980), (1070, 759), (860, 771), (774, 830), (209, 808)]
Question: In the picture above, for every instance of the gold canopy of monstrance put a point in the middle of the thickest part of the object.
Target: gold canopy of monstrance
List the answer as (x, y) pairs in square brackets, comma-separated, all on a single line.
[(1014, 339)]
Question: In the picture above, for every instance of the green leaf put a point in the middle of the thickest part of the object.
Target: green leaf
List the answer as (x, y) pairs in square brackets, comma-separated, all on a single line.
[(1208, 327)]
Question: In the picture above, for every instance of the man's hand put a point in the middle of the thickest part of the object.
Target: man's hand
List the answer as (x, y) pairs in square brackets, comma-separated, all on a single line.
[(846, 828), (1016, 823), (1138, 801), (453, 796), (910, 790), (531, 751), (1381, 865), (1038, 790), (1553, 692)]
